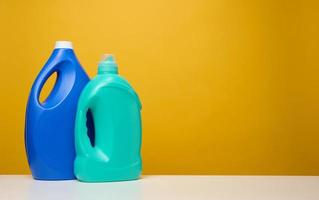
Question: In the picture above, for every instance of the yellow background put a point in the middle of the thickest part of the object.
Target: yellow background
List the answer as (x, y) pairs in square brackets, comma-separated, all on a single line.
[(228, 87)]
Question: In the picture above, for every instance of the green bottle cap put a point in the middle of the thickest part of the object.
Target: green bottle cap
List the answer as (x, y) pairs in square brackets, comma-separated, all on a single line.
[(107, 65)]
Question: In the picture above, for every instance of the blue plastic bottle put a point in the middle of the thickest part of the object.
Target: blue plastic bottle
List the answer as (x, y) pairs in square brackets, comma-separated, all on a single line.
[(49, 128)]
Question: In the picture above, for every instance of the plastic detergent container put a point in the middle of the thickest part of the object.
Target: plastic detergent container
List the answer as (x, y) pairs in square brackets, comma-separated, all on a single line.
[(112, 151), (49, 125)]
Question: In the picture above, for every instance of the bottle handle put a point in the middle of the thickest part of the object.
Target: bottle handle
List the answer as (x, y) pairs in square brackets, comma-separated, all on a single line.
[(83, 144), (66, 75), (43, 76)]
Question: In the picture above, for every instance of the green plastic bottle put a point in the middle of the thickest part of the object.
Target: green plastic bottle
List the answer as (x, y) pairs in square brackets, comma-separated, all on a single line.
[(112, 152)]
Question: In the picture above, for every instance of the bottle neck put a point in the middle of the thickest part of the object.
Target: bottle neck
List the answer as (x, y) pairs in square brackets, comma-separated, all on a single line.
[(107, 70)]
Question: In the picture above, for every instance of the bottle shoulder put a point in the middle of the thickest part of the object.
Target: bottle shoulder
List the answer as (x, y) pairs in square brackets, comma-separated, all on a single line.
[(61, 58), (102, 82)]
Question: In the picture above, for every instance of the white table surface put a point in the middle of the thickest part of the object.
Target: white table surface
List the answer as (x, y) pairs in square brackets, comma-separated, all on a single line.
[(13, 187)]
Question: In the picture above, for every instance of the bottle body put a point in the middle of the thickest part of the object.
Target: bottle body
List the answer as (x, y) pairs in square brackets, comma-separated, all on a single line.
[(49, 126), (114, 153)]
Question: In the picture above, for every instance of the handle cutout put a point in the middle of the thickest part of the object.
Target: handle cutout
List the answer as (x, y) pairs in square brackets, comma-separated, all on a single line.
[(48, 87), (90, 127), (64, 74)]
